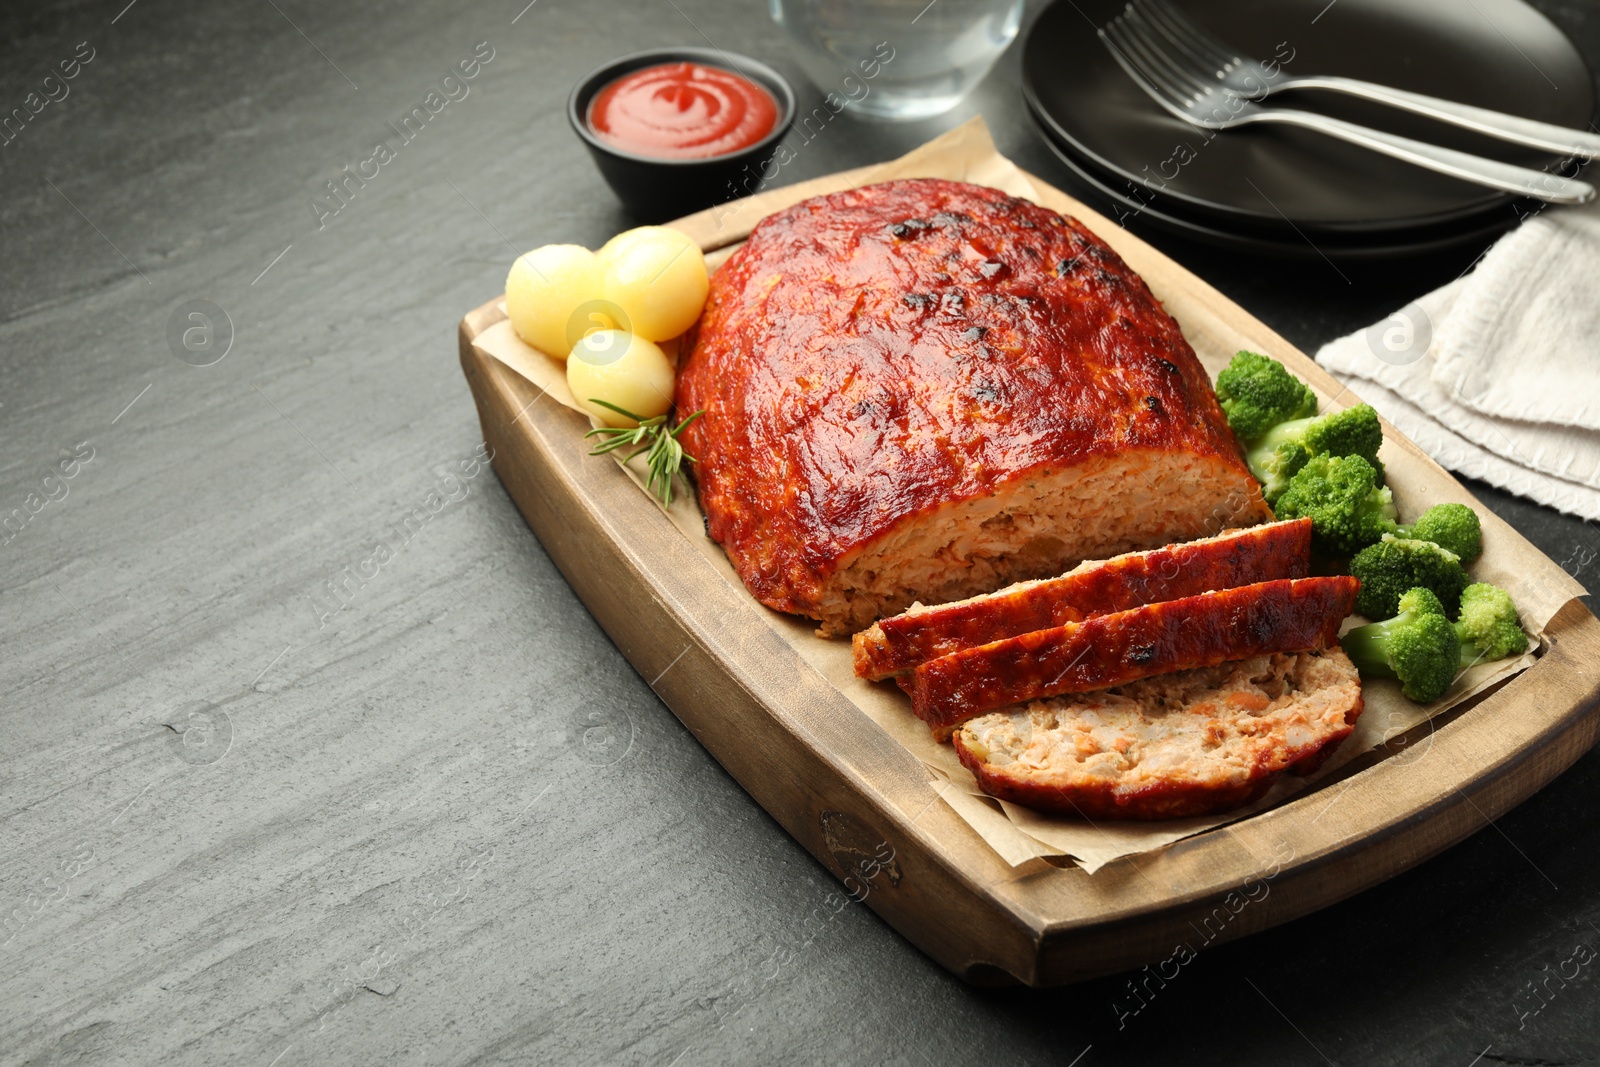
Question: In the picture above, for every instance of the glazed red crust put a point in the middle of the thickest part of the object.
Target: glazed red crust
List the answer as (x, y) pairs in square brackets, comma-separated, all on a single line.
[(1240, 557), (1109, 650), (872, 355)]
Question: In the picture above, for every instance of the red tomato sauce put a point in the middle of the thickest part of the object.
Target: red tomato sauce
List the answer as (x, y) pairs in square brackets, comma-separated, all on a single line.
[(682, 111)]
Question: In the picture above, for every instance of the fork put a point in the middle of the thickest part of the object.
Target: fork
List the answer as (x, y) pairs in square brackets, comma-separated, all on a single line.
[(1211, 58), (1145, 54)]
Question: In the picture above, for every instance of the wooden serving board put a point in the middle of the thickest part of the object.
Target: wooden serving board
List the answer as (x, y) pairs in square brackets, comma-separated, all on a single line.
[(863, 805)]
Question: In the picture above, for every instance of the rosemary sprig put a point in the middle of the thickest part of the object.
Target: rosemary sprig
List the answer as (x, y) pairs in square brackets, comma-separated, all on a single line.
[(652, 436)]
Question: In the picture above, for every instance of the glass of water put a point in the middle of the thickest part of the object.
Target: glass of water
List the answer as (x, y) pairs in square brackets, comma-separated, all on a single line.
[(898, 59)]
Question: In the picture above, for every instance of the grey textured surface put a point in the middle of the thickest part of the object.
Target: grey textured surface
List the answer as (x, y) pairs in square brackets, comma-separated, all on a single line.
[(447, 822)]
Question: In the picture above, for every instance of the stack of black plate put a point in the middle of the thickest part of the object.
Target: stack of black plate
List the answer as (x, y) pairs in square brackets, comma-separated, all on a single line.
[(1281, 190)]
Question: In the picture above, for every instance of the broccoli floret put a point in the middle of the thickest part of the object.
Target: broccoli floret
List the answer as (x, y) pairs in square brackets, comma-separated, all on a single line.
[(1274, 415), (1488, 629), (1355, 431), (1396, 564), (1257, 393), (1341, 497), (1274, 467), (1280, 453), (1418, 646), (1452, 526)]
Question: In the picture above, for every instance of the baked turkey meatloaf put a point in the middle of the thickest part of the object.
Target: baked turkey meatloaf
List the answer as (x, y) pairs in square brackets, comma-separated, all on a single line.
[(1288, 615), (1192, 743), (1239, 557), (923, 390)]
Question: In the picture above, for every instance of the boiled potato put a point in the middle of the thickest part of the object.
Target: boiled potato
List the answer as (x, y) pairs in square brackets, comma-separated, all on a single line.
[(622, 369), (625, 240), (593, 315), (614, 247), (543, 291), (657, 277)]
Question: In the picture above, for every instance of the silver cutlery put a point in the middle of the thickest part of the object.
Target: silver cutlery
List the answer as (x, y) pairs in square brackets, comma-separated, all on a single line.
[(1146, 54), (1241, 74)]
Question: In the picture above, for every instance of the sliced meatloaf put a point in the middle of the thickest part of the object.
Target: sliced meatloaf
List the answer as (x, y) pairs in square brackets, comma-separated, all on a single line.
[(1192, 743), (923, 390), (1239, 557), (1108, 650)]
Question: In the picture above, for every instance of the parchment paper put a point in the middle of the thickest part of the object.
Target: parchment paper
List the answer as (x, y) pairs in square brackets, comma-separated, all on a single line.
[(1539, 586)]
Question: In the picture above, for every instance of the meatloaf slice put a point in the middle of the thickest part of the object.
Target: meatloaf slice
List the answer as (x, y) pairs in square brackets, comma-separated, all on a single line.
[(923, 390), (1107, 650), (1196, 742), (1239, 557)]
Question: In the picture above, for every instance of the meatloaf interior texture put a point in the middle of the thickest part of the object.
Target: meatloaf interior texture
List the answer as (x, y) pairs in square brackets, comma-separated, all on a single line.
[(1192, 743), (924, 390)]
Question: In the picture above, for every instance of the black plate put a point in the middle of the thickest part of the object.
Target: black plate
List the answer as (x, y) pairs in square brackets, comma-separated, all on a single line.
[(1131, 212), (1492, 53)]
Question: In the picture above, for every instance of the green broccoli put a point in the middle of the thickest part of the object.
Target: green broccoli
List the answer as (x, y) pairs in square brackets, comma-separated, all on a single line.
[(1355, 431), (1418, 646), (1274, 416), (1452, 526), (1488, 629), (1280, 453), (1341, 497), (1257, 392), (1395, 564), (1274, 467)]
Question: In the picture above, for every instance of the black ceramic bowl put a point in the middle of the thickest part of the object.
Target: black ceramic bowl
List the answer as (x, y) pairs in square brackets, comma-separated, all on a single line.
[(659, 189)]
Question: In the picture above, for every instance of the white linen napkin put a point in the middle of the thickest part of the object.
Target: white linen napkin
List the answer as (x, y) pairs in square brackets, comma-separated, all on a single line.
[(1497, 375)]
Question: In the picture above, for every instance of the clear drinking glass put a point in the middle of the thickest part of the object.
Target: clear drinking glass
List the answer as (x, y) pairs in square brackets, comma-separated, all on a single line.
[(898, 59)]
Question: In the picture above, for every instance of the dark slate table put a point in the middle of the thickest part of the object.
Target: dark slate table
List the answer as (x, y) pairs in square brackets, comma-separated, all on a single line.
[(245, 818)]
